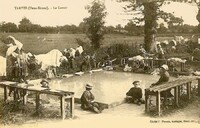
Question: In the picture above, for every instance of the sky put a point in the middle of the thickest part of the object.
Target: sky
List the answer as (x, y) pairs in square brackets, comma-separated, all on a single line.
[(62, 12)]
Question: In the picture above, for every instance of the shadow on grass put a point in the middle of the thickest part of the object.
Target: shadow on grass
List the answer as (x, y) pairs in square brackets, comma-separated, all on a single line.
[(14, 112), (167, 110)]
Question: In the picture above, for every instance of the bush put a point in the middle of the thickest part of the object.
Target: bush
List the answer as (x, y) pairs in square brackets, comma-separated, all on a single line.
[(84, 44), (123, 50), (11, 112), (196, 54)]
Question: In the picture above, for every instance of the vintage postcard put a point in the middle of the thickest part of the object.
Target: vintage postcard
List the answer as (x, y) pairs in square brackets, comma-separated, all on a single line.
[(99, 63)]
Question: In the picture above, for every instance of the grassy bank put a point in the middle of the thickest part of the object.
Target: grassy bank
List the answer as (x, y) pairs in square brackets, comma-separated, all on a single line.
[(38, 43)]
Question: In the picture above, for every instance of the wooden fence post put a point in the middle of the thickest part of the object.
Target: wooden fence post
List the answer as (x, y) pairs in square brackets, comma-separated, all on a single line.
[(72, 106), (146, 101), (189, 90), (15, 97), (158, 103), (5, 94), (152, 64), (37, 101), (176, 94), (62, 107), (199, 87), (24, 96)]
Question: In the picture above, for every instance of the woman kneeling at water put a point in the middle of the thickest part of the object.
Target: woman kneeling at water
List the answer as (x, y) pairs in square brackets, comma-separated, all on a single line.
[(87, 100)]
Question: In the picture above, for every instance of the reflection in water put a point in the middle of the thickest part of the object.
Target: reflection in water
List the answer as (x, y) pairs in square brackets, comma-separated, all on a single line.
[(108, 87)]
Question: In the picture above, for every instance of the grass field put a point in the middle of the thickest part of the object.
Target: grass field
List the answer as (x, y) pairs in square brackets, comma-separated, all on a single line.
[(42, 43)]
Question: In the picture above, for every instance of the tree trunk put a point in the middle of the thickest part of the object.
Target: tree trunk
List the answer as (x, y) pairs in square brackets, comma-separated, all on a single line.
[(198, 18), (150, 17)]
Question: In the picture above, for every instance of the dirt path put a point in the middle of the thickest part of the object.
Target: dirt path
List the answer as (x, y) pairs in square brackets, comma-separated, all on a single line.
[(125, 115)]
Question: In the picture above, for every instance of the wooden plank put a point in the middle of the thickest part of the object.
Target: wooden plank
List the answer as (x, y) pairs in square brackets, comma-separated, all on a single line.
[(25, 96), (5, 94), (169, 87), (62, 107), (52, 92), (199, 87), (15, 94), (171, 84), (158, 103), (176, 96), (163, 85), (146, 101), (189, 90), (37, 101), (182, 67), (163, 88), (63, 95), (72, 106), (8, 83), (179, 92), (152, 64), (30, 87)]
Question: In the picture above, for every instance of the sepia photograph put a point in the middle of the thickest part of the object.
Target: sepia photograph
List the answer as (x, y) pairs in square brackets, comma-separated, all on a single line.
[(99, 63)]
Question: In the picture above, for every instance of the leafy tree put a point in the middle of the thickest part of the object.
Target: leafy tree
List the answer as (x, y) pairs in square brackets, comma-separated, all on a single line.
[(9, 27), (150, 9), (69, 29), (74, 29), (133, 29), (119, 27), (48, 29), (162, 29), (95, 23), (82, 27), (130, 27), (25, 25), (198, 16), (35, 28), (174, 21), (110, 29)]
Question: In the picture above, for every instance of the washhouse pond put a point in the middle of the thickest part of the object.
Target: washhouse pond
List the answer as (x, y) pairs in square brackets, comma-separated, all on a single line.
[(108, 86)]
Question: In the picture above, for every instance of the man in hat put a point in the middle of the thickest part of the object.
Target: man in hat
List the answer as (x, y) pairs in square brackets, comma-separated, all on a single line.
[(44, 83), (134, 95), (87, 100), (160, 54)]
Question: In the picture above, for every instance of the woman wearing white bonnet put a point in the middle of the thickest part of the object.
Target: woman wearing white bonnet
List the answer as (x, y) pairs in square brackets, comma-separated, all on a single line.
[(164, 78)]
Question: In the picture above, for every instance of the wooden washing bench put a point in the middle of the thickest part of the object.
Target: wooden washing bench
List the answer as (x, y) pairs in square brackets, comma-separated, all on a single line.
[(176, 85), (152, 62), (24, 88)]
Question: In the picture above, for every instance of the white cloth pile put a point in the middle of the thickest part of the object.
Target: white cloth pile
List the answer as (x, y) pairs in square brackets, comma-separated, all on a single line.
[(79, 49), (156, 72), (72, 52), (177, 60), (136, 58), (13, 45), (2, 66), (51, 58), (127, 68), (63, 59)]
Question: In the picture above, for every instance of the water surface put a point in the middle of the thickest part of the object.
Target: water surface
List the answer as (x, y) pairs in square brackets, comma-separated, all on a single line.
[(108, 87)]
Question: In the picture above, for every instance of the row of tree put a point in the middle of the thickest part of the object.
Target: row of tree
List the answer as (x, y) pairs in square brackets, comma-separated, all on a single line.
[(25, 25), (129, 29), (94, 25)]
